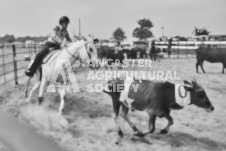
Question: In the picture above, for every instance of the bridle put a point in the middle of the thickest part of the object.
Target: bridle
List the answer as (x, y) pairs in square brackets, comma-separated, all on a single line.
[(86, 47)]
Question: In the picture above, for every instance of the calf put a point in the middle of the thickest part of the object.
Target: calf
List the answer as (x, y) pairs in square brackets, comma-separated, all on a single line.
[(158, 99)]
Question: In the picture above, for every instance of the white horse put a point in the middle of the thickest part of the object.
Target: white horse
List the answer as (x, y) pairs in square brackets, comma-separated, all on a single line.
[(84, 51)]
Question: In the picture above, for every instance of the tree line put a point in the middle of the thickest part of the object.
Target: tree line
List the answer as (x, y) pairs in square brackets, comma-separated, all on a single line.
[(8, 38), (143, 31)]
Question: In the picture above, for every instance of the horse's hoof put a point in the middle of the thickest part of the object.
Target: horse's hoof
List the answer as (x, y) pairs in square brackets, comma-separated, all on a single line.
[(40, 100)]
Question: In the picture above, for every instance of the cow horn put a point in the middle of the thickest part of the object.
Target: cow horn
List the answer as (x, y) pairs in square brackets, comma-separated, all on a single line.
[(187, 83), (194, 82)]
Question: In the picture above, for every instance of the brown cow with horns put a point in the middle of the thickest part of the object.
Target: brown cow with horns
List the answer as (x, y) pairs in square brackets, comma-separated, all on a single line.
[(157, 98)]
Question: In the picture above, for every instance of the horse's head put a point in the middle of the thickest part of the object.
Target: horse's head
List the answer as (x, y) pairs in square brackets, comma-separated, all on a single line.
[(92, 53), (88, 52)]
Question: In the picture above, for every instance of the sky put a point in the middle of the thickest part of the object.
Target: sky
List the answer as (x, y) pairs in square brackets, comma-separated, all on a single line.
[(101, 18)]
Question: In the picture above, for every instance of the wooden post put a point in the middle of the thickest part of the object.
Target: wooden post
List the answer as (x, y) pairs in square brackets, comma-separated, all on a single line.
[(15, 64), (35, 47), (3, 64), (186, 49)]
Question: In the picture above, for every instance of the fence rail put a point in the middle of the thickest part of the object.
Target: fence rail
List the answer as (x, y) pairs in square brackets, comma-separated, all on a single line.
[(12, 64)]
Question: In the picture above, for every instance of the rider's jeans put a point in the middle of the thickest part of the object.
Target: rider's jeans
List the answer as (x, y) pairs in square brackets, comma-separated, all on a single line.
[(41, 54)]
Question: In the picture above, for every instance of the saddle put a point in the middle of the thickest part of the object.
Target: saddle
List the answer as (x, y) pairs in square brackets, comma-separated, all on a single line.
[(52, 54)]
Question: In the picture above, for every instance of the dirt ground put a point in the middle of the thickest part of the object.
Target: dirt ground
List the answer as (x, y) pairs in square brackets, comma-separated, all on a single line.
[(87, 122)]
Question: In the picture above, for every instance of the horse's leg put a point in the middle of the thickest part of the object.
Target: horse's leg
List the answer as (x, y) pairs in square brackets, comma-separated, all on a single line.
[(42, 90), (28, 83), (170, 122), (61, 91), (33, 90), (35, 87), (29, 80)]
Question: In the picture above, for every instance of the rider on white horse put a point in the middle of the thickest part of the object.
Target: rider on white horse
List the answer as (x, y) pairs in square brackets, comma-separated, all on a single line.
[(55, 41)]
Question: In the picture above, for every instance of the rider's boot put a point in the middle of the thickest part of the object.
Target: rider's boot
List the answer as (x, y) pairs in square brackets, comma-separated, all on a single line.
[(29, 73)]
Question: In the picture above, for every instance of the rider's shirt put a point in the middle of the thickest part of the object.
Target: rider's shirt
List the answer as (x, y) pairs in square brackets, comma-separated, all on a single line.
[(59, 37), (54, 38), (65, 34)]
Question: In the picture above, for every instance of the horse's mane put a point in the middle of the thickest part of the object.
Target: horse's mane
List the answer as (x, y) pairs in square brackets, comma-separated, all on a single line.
[(77, 44)]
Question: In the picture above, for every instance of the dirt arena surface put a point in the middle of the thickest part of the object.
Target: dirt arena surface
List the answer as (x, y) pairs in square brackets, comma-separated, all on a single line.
[(87, 122)]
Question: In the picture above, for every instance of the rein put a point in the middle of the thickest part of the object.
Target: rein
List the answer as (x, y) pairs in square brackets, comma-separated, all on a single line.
[(71, 54), (86, 47)]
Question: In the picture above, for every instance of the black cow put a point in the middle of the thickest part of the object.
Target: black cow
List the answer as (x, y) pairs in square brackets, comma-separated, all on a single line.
[(104, 51), (132, 54), (154, 53), (111, 56), (157, 98), (142, 52), (212, 55), (116, 57)]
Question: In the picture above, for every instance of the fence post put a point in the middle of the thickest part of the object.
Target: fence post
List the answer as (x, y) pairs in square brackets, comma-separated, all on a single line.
[(178, 49), (3, 64), (34, 47), (15, 65), (186, 49)]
